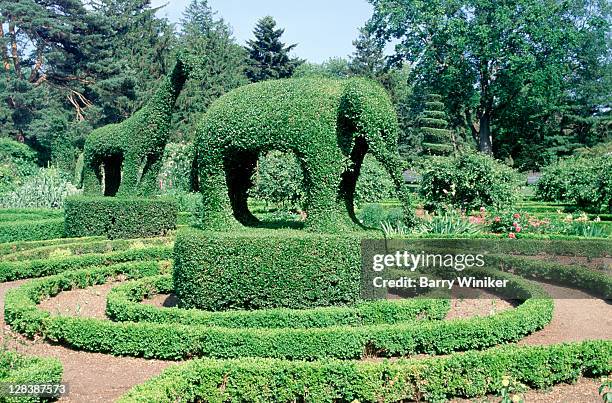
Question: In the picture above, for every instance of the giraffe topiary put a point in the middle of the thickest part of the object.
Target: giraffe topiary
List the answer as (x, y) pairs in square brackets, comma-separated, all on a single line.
[(124, 159)]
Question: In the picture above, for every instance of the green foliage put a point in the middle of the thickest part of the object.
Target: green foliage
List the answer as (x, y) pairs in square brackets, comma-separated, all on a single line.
[(131, 152), (469, 181), (373, 184), (373, 215), (438, 379), (581, 180), (46, 189), (255, 269), (437, 139), (449, 223), (335, 67), (269, 57), (119, 217), (15, 270), (177, 165), (17, 369), (124, 304), (279, 179), (537, 76), (31, 230), (179, 341), (327, 124), (17, 162)]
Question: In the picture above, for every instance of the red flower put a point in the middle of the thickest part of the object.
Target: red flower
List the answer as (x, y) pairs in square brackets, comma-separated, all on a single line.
[(512, 235), (516, 215), (497, 219)]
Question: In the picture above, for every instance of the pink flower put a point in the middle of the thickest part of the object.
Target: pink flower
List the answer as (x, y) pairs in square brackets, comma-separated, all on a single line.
[(497, 219), (516, 215), (517, 228), (482, 209), (512, 235)]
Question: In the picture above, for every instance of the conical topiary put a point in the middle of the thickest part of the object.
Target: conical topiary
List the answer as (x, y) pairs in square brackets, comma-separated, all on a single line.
[(437, 139)]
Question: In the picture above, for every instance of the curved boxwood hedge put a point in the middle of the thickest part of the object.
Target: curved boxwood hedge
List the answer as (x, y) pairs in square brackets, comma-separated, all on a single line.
[(328, 124), (119, 217), (20, 246), (43, 267), (256, 268), (17, 369), (31, 230), (172, 341), (85, 247), (470, 374), (124, 305)]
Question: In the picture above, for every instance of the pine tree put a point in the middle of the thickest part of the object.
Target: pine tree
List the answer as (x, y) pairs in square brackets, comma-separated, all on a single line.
[(437, 139), (220, 64), (269, 57)]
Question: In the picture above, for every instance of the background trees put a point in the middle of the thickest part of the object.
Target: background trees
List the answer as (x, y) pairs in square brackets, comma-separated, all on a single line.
[(514, 74)]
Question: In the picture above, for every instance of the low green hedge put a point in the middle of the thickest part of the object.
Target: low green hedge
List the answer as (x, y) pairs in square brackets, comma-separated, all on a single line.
[(174, 341), (256, 268), (20, 246), (31, 230), (43, 267), (88, 246), (119, 217), (468, 375), (17, 369), (124, 304)]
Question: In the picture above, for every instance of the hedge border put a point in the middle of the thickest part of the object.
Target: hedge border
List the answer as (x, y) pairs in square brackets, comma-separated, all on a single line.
[(44, 267), (33, 230), (123, 304), (28, 370), (171, 341), (20, 246), (470, 374)]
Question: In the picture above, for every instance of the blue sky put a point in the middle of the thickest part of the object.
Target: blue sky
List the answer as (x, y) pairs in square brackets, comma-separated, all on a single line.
[(321, 28)]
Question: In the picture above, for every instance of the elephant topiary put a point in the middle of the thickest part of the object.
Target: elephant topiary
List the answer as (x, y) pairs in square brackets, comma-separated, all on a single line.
[(329, 124), (125, 158)]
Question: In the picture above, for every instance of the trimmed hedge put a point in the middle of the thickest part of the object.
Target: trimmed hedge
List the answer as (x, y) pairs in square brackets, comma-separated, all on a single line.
[(468, 374), (174, 341), (20, 246), (124, 305), (43, 267), (329, 124), (17, 369), (31, 230), (254, 269), (81, 248), (119, 217)]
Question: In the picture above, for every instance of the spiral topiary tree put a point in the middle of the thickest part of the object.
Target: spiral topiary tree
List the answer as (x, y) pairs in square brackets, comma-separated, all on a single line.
[(125, 158), (437, 139), (328, 124)]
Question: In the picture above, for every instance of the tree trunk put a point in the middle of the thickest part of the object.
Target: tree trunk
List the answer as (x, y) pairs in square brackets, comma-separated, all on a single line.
[(14, 50), (485, 141)]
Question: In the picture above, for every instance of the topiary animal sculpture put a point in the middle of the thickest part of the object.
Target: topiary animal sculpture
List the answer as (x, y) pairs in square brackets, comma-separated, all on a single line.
[(125, 158), (329, 124)]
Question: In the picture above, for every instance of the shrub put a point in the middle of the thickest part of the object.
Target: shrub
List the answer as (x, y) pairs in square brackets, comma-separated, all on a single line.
[(279, 180), (373, 183), (119, 217), (581, 180), (449, 223), (265, 268), (470, 181), (436, 379), (373, 215), (177, 167), (124, 304), (17, 162), (17, 369), (34, 230), (437, 139), (47, 189)]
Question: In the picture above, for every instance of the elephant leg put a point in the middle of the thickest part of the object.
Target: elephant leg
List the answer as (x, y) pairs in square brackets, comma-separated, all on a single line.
[(349, 178), (239, 172), (148, 182), (326, 208), (216, 212), (129, 175), (92, 177)]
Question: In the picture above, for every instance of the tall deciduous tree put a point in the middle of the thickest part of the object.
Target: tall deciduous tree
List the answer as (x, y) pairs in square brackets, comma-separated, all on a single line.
[(269, 57), (501, 64)]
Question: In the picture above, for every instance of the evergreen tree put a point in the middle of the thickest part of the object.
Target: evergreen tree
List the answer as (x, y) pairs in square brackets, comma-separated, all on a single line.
[(437, 139), (220, 64), (269, 57)]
